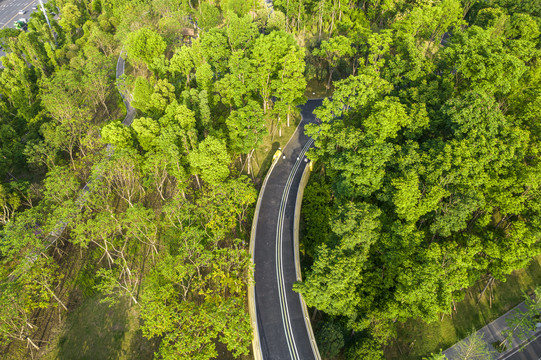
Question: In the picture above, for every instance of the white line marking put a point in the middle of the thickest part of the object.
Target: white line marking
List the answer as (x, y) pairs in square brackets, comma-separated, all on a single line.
[(284, 308), (521, 347)]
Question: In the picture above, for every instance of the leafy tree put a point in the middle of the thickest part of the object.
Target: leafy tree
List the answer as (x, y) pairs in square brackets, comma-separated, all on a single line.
[(195, 294), (474, 347), (204, 77), (215, 49), (240, 7), (330, 339), (412, 180), (210, 160), (246, 127), (268, 53), (241, 32), (146, 130), (238, 84), (333, 51), (438, 356), (365, 349), (20, 297), (290, 85), (10, 201), (522, 324), (142, 91), (481, 61), (145, 45), (71, 17), (209, 16), (316, 210), (182, 63), (162, 96), (116, 134)]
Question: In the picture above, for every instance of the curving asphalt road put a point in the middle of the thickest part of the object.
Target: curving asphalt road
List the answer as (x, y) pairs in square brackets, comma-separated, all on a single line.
[(529, 350), (126, 98), (281, 327)]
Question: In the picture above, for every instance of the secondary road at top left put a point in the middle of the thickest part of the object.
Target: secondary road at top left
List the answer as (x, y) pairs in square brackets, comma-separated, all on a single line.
[(9, 12)]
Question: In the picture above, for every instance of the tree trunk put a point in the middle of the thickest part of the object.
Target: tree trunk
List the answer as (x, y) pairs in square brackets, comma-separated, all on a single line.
[(249, 160), (331, 27), (299, 19), (287, 12), (320, 20), (30, 342), (314, 314), (489, 282), (330, 78)]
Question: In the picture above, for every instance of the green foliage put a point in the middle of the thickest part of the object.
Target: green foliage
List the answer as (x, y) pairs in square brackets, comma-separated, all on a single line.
[(246, 127), (484, 62), (209, 16), (182, 63), (145, 45), (366, 349), (241, 32), (330, 339), (429, 151), (316, 210), (522, 324), (334, 50), (194, 295), (210, 160), (428, 147), (142, 91), (239, 7), (438, 356), (474, 347), (116, 134), (146, 130)]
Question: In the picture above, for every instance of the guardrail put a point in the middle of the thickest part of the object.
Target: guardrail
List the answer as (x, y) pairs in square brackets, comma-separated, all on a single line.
[(296, 220)]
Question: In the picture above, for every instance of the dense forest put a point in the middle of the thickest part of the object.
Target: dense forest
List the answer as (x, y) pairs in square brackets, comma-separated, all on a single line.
[(427, 162), (430, 173), (156, 213)]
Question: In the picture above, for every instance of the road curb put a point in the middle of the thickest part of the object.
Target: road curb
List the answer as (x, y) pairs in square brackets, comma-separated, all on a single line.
[(296, 220)]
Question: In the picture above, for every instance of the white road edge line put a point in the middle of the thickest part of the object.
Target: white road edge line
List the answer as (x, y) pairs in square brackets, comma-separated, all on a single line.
[(521, 347)]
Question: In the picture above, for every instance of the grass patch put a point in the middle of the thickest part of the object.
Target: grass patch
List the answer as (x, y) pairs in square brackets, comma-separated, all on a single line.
[(97, 331), (262, 158), (316, 89), (417, 339)]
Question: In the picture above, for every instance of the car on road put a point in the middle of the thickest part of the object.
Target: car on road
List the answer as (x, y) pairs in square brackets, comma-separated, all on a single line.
[(34, 7), (22, 12), (20, 24)]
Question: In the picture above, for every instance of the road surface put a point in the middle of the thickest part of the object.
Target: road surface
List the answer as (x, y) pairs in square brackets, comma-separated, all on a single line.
[(9, 13), (531, 350), (130, 111), (282, 331)]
